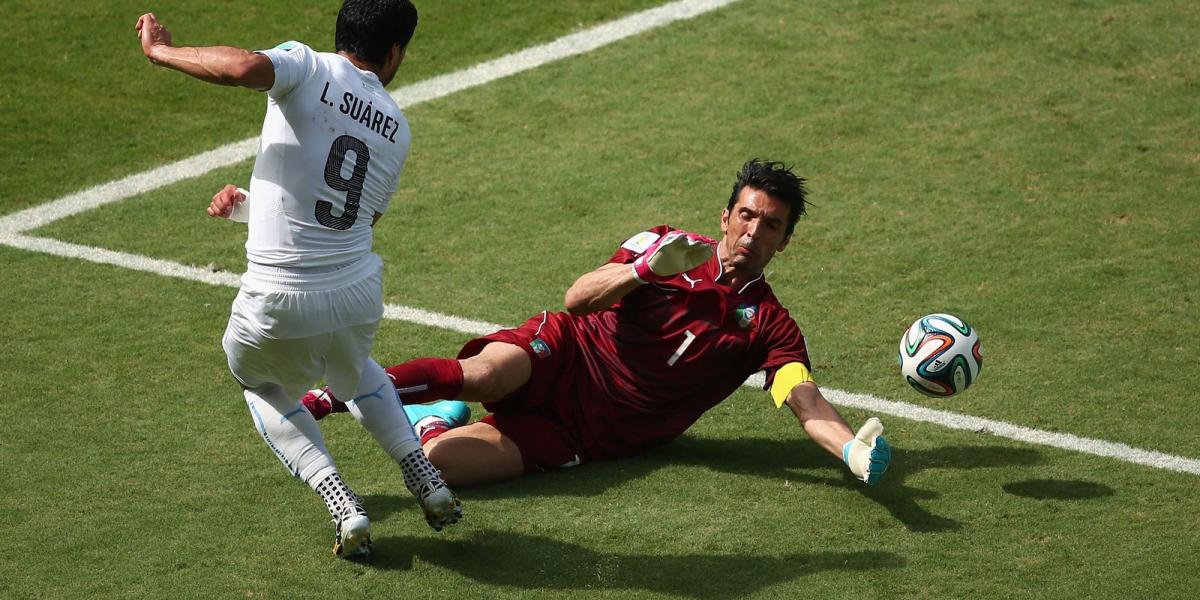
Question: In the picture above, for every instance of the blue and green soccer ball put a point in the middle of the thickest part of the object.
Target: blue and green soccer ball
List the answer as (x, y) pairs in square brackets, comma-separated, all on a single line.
[(940, 355)]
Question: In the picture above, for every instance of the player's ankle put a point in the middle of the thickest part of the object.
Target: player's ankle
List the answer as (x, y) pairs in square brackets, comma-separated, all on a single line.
[(430, 427)]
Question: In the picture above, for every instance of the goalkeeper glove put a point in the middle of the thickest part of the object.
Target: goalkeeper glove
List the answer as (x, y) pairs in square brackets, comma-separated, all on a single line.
[(868, 454), (674, 253)]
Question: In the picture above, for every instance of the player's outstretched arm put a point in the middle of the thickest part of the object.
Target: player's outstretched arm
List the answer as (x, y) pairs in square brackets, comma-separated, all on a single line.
[(599, 289), (866, 453), (221, 65), (671, 254)]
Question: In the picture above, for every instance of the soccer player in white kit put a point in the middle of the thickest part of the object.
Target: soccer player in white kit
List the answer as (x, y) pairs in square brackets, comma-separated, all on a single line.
[(332, 148)]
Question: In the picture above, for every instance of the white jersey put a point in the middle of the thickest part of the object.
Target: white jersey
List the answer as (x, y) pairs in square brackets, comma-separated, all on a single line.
[(333, 145)]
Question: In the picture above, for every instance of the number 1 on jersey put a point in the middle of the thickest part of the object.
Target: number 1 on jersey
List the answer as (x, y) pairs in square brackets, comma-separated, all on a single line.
[(688, 337)]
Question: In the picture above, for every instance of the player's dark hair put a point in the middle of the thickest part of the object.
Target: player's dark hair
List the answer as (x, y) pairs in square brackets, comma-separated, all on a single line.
[(369, 28), (778, 181)]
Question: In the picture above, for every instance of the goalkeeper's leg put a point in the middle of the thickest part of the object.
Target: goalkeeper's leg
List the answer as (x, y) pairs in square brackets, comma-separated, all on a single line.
[(417, 381), (475, 453), (496, 371)]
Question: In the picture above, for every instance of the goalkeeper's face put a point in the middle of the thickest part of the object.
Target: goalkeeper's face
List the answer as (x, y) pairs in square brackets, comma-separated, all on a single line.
[(754, 230)]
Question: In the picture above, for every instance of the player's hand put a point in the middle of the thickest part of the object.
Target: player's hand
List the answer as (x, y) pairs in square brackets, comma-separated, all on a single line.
[(868, 454), (152, 34), (226, 201), (674, 253)]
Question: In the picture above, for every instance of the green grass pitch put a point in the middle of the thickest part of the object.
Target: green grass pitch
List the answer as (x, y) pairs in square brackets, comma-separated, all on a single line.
[(1031, 166)]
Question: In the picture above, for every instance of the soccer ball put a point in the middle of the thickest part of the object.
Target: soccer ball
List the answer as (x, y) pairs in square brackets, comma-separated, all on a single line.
[(940, 355)]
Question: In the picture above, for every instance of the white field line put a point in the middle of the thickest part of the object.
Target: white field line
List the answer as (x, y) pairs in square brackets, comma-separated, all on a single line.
[(13, 225), (865, 402), (411, 95), (1065, 441)]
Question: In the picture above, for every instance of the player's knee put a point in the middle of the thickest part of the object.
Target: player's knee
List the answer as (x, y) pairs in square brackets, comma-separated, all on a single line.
[(482, 380), (495, 373)]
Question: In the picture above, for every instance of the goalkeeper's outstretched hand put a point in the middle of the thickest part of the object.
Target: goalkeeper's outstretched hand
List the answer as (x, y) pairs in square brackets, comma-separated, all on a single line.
[(868, 454), (674, 253)]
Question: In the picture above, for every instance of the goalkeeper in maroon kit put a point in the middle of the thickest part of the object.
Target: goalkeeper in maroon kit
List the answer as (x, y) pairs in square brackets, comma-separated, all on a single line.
[(670, 326)]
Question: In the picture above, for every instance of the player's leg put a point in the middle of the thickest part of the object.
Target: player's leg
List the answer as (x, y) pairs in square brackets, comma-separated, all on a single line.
[(417, 381), (495, 373), (503, 446), (296, 439), (290, 431), (498, 370), (475, 453), (424, 380), (368, 392), (375, 405)]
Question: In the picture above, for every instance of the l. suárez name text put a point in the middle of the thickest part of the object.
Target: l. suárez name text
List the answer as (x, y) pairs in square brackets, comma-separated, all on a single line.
[(365, 113)]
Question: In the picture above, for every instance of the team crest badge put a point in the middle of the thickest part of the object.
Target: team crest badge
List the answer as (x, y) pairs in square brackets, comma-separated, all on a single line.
[(745, 315), (540, 348)]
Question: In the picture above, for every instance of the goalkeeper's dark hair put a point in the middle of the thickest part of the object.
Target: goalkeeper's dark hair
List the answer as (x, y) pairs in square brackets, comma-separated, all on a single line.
[(776, 180), (369, 28)]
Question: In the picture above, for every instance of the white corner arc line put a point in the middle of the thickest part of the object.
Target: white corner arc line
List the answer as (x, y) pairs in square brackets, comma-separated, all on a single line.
[(410, 95), (13, 225)]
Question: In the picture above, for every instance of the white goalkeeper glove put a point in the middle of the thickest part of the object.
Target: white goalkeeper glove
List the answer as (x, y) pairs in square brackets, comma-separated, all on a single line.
[(674, 253), (868, 454)]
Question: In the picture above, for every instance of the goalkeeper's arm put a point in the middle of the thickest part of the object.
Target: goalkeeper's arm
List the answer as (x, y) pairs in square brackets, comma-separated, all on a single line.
[(866, 453), (599, 289), (673, 253)]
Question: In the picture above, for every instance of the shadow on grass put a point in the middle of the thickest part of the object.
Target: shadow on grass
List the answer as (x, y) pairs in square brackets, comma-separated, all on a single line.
[(1058, 489), (781, 459), (768, 459), (539, 563)]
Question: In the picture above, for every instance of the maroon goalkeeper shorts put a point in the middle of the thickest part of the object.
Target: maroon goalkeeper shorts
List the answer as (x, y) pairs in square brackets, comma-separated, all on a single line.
[(531, 417)]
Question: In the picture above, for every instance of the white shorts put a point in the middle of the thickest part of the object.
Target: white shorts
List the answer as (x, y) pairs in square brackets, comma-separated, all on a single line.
[(290, 327)]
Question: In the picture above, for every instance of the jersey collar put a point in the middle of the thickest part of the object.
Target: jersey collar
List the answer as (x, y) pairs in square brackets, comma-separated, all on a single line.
[(719, 272)]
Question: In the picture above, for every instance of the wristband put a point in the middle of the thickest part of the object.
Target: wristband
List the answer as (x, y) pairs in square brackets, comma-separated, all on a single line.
[(240, 212)]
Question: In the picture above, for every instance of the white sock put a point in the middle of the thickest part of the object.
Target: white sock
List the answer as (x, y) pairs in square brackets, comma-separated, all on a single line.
[(291, 432), (378, 409)]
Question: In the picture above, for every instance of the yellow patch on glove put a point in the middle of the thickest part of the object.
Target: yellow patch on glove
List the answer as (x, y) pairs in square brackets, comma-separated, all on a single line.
[(786, 378)]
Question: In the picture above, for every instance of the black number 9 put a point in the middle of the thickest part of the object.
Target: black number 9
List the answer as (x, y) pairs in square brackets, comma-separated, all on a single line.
[(352, 186)]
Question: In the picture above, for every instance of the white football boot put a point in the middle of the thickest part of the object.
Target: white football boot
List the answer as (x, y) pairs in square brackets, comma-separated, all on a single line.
[(425, 483), (352, 536)]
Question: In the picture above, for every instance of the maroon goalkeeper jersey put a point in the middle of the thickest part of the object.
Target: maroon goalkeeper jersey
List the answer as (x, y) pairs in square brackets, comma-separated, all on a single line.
[(641, 372)]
